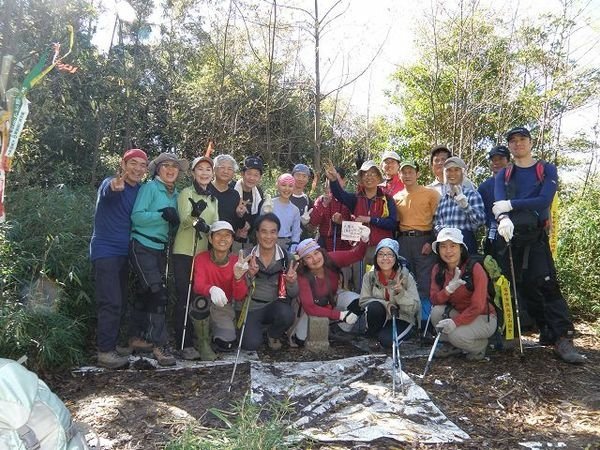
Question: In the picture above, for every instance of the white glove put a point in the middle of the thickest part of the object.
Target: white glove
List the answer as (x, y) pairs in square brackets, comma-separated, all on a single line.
[(348, 317), (462, 201), (455, 282), (365, 233), (267, 206), (501, 206), (506, 229), (218, 297), (241, 266), (446, 326), (305, 218)]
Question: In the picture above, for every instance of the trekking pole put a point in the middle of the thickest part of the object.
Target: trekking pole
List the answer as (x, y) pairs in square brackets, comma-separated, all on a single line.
[(334, 236), (243, 315), (514, 283), (427, 325), (396, 361), (433, 347), (189, 291)]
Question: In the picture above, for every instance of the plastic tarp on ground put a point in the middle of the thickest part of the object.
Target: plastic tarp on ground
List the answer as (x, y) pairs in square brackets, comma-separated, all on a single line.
[(351, 400)]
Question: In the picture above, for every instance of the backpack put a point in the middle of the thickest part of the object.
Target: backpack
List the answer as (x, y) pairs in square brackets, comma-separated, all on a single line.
[(498, 290), (528, 227), (31, 416)]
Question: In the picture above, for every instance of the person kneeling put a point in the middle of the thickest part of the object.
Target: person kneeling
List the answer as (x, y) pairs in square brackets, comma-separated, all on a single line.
[(462, 311), (220, 277), (389, 289)]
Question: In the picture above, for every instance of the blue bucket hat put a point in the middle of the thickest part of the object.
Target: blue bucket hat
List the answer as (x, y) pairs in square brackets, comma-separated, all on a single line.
[(391, 244)]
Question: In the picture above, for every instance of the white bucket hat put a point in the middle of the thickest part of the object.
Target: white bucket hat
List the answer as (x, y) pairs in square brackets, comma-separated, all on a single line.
[(449, 234)]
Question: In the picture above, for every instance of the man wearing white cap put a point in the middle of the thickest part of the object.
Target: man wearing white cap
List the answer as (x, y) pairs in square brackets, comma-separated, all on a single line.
[(390, 165), (460, 207)]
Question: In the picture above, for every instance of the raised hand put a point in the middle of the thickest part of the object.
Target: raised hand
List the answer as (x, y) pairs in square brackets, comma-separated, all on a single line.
[(305, 218), (455, 282), (253, 266), (117, 184), (330, 171), (291, 276), (241, 266), (241, 208), (197, 207)]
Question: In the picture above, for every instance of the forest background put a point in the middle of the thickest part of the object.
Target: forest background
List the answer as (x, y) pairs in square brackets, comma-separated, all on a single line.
[(271, 78)]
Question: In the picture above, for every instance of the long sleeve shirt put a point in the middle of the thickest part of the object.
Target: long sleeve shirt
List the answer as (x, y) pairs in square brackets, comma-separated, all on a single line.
[(328, 284), (208, 274), (289, 216), (184, 239), (321, 216), (469, 304), (451, 214)]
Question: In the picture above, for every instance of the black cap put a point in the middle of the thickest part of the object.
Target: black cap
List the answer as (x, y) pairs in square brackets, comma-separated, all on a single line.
[(499, 150), (253, 162), (518, 130)]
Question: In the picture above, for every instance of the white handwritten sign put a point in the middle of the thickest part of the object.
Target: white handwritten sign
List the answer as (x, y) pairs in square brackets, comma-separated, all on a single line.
[(351, 230)]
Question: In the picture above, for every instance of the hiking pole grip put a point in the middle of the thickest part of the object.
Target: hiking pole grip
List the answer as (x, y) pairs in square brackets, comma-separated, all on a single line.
[(514, 283)]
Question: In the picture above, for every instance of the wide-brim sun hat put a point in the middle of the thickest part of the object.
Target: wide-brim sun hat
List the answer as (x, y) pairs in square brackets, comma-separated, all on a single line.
[(164, 157), (306, 247), (449, 234), (390, 243)]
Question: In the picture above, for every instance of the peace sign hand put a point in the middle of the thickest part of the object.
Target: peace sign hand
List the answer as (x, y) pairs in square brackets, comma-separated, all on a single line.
[(291, 276), (241, 266), (330, 171), (117, 184), (241, 208), (396, 284), (253, 266)]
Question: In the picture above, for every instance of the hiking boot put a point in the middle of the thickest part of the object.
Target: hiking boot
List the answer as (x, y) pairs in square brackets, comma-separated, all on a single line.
[(478, 356), (112, 360), (565, 351), (124, 351), (164, 356), (294, 342), (202, 331), (140, 345), (274, 343), (190, 354), (223, 346), (445, 350)]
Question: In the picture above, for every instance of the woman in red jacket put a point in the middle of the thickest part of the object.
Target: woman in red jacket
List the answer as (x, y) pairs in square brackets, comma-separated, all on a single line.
[(461, 311), (318, 284)]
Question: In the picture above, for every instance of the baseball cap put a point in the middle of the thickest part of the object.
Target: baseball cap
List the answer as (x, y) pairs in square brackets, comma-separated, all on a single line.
[(302, 168), (499, 150), (449, 234), (199, 159), (135, 153), (253, 162), (455, 161), (390, 155), (369, 165), (518, 130), (409, 163), (221, 225)]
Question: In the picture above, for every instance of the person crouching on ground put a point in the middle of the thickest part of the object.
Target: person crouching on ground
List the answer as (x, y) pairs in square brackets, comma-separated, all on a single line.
[(461, 311), (318, 282), (274, 285), (198, 209), (153, 219), (389, 289), (287, 212), (219, 279)]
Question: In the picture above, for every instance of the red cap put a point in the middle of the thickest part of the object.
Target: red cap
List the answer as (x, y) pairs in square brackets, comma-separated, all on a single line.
[(135, 153)]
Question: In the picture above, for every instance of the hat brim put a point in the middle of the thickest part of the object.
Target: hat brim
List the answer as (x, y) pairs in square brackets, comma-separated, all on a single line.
[(153, 166)]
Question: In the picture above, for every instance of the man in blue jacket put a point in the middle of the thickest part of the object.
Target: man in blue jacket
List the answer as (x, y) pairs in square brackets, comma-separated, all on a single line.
[(522, 208), (109, 249)]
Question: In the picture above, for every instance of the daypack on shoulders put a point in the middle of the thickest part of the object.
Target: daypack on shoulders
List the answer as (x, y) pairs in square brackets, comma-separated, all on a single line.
[(31, 415)]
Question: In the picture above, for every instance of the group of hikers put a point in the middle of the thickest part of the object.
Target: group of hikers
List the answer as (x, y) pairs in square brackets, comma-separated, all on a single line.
[(236, 254)]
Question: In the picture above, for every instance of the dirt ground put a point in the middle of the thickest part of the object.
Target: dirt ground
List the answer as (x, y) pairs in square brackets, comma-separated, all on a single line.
[(500, 402)]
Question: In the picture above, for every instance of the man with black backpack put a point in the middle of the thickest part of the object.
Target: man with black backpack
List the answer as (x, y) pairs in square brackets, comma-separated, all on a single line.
[(524, 192)]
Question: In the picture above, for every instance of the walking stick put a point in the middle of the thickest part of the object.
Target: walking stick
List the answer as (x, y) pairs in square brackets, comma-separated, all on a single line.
[(334, 236), (433, 347), (514, 283), (244, 317), (189, 291), (396, 361)]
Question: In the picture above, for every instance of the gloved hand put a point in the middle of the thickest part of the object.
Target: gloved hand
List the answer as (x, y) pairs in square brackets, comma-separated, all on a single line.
[(501, 206), (267, 206), (217, 296), (170, 215), (462, 201), (305, 218), (365, 233), (506, 229), (201, 226), (446, 326), (348, 317), (197, 207), (455, 282), (241, 266)]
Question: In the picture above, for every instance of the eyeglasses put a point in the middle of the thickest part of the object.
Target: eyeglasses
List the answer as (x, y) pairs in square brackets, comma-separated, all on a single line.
[(170, 165), (385, 255)]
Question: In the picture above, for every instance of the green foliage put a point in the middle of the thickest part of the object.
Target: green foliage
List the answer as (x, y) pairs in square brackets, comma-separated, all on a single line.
[(578, 259), (248, 426)]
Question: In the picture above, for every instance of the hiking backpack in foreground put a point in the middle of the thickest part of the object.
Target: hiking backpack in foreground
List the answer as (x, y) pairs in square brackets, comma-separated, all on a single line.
[(31, 415)]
